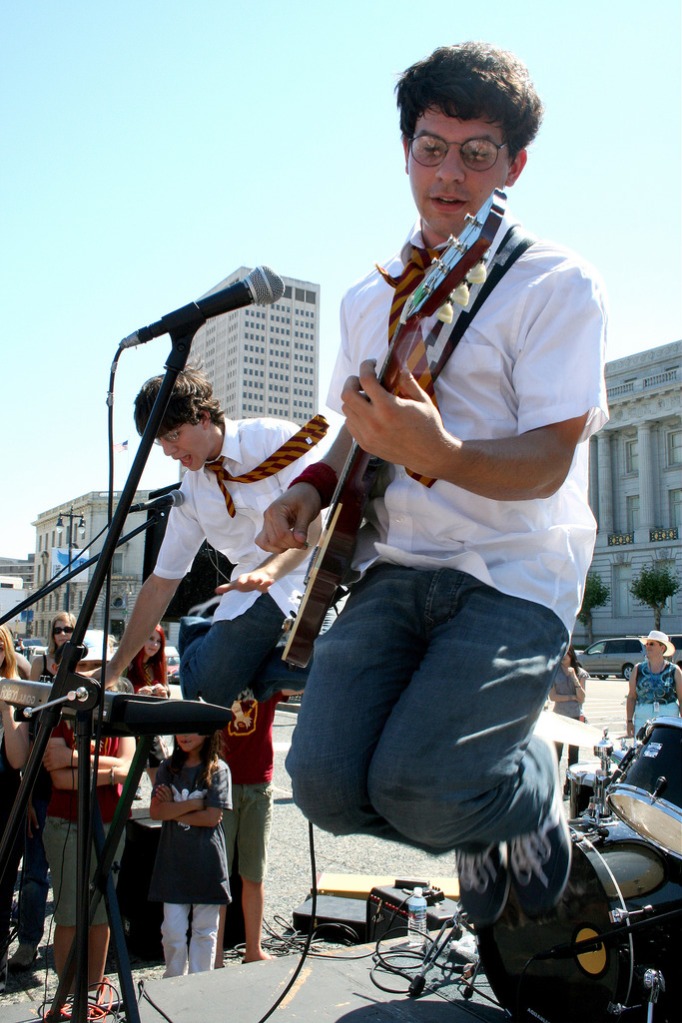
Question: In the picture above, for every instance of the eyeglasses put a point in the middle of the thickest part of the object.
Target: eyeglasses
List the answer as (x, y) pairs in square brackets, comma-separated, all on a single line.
[(58, 629), (476, 154), (170, 438)]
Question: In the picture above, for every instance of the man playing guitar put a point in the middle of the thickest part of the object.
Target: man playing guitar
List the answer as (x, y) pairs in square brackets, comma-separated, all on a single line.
[(477, 534)]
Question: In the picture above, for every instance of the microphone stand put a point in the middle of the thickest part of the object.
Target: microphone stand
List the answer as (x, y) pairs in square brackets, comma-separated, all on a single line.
[(181, 334)]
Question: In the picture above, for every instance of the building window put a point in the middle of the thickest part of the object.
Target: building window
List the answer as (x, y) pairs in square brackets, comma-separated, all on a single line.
[(632, 512), (631, 456), (675, 447), (117, 564), (675, 507), (622, 575)]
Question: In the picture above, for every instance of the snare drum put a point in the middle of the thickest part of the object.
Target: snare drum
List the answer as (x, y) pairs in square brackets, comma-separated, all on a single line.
[(647, 794), (534, 966)]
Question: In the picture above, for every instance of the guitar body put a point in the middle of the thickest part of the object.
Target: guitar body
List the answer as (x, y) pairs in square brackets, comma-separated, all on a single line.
[(331, 560)]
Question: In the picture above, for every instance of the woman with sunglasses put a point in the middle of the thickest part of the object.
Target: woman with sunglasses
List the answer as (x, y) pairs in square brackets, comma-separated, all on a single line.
[(13, 754), (34, 876), (44, 667)]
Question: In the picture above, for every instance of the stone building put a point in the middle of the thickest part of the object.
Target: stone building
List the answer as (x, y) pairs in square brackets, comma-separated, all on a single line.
[(636, 487), (81, 534)]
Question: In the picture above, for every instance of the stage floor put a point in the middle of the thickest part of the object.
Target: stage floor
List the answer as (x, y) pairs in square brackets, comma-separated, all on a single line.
[(329, 989), (338, 986)]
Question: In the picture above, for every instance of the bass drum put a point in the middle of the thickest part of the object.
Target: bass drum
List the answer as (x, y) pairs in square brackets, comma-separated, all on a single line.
[(533, 966), (647, 793)]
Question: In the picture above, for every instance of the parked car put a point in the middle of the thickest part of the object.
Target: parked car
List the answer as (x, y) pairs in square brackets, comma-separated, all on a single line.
[(34, 645), (172, 660), (611, 656)]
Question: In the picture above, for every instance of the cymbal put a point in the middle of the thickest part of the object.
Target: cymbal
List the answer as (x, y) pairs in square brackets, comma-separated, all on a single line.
[(560, 729)]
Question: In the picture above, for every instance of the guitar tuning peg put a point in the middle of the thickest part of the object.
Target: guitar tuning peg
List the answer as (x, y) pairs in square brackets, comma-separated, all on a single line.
[(477, 274), (446, 313), (460, 295)]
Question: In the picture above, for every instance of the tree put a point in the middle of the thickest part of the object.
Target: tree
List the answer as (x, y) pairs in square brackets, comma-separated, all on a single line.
[(596, 594), (653, 587)]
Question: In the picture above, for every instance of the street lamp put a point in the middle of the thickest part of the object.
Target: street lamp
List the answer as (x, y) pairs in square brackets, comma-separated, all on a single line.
[(80, 526)]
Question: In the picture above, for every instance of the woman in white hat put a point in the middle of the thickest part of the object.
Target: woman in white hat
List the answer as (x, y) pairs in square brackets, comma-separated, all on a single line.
[(655, 684)]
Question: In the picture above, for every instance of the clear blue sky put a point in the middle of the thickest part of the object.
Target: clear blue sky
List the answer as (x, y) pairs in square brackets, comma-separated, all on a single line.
[(150, 147)]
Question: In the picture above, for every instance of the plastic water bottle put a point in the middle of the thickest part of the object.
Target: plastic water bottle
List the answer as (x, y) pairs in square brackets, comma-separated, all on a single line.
[(416, 919)]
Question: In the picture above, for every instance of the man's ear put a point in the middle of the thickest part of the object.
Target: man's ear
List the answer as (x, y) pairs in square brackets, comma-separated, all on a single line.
[(406, 151), (516, 166)]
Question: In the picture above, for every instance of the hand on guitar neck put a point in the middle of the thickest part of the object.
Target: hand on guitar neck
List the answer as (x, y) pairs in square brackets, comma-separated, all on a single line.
[(398, 423)]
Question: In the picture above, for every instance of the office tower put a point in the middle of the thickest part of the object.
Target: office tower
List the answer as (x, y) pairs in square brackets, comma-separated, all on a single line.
[(263, 360)]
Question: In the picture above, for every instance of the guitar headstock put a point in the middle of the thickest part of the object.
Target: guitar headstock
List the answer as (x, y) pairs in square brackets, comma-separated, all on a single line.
[(457, 259)]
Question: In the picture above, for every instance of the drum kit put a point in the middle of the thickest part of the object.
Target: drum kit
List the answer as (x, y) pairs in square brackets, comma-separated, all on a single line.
[(611, 947)]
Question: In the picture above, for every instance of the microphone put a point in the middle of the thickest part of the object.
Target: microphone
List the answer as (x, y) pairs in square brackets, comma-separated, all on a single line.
[(262, 287), (161, 504)]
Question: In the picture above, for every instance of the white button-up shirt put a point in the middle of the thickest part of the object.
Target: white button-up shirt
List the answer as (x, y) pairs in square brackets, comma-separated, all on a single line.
[(533, 356), (203, 515)]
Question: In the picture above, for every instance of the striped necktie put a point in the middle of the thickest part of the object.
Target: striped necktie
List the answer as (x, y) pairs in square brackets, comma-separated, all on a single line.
[(412, 275), (306, 438)]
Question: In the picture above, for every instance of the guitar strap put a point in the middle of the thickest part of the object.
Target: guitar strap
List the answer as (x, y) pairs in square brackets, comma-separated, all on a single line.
[(513, 245)]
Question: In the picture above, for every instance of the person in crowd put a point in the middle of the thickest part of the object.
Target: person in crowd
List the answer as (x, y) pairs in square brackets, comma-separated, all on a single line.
[(148, 675), (469, 585), (35, 883), (249, 753), (13, 754), (655, 685), (148, 671), (114, 759), (235, 468), (568, 695), (23, 665), (190, 874), (44, 666)]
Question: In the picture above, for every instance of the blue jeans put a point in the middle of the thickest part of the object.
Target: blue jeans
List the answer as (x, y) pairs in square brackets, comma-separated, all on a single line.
[(418, 715), (219, 660), (34, 881)]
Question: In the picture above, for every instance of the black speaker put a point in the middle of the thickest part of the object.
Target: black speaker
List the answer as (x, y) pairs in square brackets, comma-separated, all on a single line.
[(336, 918), (141, 919)]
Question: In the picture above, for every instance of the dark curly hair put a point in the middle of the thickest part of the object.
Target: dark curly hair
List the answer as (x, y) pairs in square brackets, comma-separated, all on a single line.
[(472, 80), (192, 396)]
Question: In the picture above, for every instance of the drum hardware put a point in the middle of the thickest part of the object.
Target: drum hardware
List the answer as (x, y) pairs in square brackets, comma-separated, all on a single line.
[(617, 916), (653, 982), (602, 776), (434, 949), (661, 786)]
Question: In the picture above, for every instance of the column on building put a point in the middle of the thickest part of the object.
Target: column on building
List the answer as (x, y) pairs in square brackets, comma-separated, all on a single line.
[(605, 482), (647, 482)]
